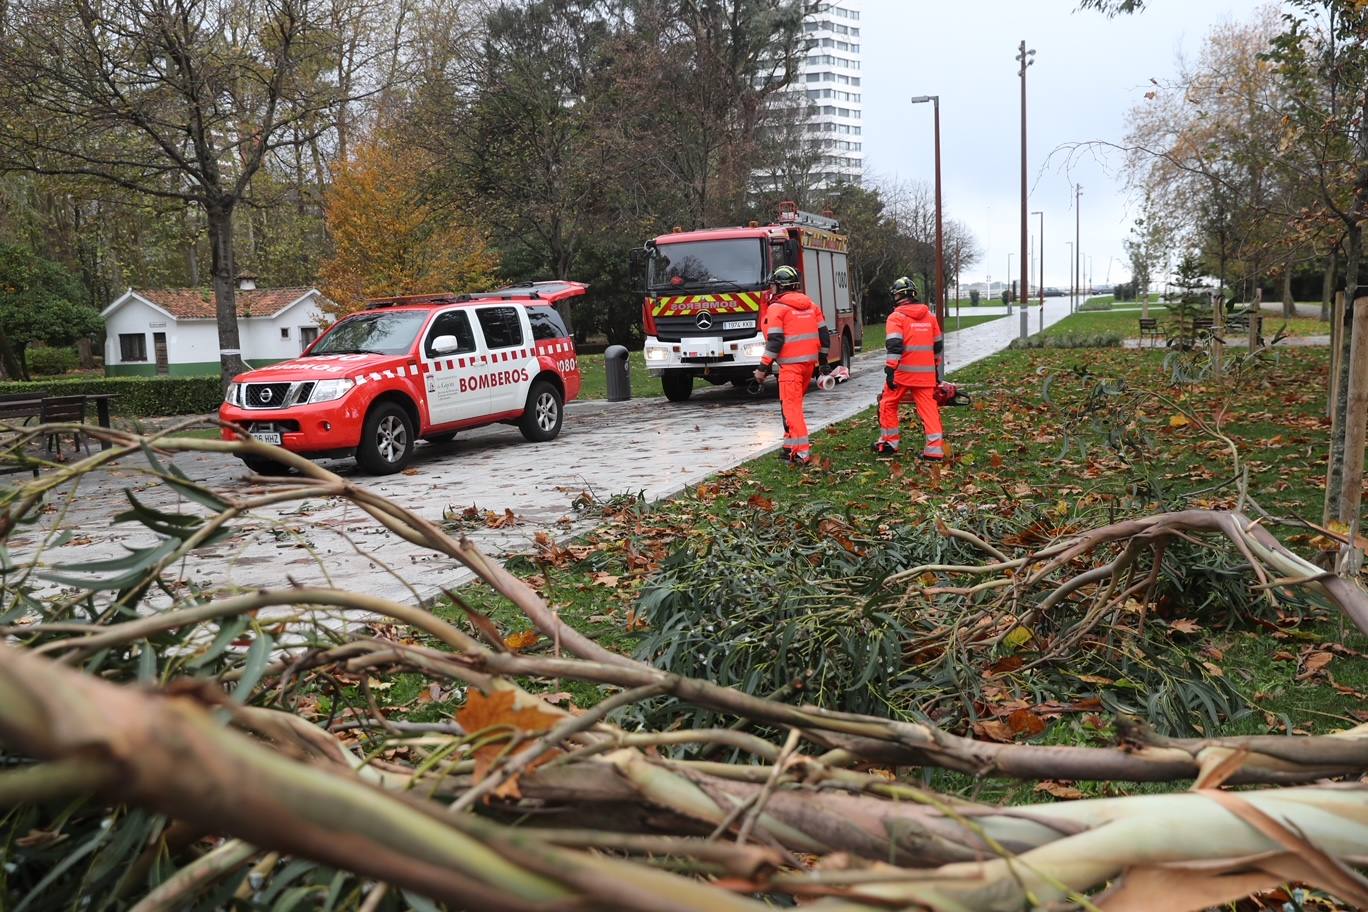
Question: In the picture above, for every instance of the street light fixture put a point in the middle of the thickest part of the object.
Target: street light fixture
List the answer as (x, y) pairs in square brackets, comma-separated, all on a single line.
[(940, 231), (1025, 58)]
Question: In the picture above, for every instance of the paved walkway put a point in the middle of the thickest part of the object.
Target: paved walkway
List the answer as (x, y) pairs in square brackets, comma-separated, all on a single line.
[(647, 446)]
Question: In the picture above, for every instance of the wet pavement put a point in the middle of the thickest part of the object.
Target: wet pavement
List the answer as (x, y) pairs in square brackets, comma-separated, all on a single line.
[(646, 446)]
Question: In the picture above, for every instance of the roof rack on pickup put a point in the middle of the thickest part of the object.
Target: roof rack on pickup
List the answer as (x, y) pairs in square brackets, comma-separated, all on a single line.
[(552, 291)]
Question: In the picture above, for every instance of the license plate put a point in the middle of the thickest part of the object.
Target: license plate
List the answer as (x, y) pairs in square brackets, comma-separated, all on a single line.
[(737, 324), (266, 437)]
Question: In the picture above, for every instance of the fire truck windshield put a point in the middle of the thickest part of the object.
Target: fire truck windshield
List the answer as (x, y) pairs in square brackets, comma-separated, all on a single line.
[(373, 333), (737, 262)]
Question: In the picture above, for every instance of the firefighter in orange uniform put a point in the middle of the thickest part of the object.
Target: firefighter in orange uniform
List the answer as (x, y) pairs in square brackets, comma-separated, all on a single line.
[(797, 338), (916, 361)]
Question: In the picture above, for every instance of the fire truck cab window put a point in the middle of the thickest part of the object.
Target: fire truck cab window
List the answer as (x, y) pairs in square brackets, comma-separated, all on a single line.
[(730, 262), (546, 324), (501, 326), (451, 323)]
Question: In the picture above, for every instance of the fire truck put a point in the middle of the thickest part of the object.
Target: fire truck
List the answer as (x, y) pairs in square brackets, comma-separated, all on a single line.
[(706, 293)]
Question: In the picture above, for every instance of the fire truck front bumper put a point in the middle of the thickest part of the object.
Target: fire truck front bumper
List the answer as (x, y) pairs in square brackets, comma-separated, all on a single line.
[(701, 352)]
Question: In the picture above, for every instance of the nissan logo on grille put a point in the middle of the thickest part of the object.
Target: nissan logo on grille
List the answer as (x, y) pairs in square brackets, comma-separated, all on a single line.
[(264, 394), (704, 320)]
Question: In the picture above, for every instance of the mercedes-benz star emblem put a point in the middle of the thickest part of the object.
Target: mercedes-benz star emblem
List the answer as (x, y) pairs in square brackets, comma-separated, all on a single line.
[(704, 320), (264, 394)]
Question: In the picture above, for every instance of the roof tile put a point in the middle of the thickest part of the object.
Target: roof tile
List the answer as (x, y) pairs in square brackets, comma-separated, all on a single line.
[(198, 303)]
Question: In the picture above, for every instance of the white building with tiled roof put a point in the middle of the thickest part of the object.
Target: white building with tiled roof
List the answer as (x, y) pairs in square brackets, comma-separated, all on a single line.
[(175, 330)]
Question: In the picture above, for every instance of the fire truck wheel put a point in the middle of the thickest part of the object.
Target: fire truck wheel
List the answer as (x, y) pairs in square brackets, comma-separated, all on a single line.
[(541, 419), (386, 440), (678, 385), (847, 351), (261, 466)]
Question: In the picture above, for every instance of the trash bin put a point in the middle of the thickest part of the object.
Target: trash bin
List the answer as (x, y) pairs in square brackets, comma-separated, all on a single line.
[(619, 378)]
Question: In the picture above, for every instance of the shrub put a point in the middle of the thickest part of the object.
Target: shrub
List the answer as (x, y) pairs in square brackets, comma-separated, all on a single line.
[(46, 361), (137, 396), (1069, 340)]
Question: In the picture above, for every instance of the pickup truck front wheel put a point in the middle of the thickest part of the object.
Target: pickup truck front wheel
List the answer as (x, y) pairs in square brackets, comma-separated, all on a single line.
[(386, 440)]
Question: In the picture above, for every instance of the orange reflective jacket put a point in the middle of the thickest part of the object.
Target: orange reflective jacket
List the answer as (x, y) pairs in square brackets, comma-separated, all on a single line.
[(915, 345), (794, 331)]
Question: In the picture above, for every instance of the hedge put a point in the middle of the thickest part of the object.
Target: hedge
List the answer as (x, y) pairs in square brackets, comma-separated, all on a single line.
[(138, 397)]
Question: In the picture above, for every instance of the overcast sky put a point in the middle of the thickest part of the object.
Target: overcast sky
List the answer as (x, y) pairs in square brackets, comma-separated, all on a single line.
[(1089, 71)]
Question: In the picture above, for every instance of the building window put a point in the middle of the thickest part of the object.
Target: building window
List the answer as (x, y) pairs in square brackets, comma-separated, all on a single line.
[(284, 332), (132, 347), (307, 334)]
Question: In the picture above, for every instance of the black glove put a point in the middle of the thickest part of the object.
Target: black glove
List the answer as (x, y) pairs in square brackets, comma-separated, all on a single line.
[(824, 368), (888, 377)]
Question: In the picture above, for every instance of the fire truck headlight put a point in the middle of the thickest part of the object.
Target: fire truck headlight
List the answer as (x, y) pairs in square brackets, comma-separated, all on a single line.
[(753, 349), (230, 395), (328, 390), (657, 354)]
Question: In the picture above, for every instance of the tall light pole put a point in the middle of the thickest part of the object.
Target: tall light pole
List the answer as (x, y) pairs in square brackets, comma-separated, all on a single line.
[(1077, 250), (1009, 284), (1025, 58), (1041, 267), (940, 227)]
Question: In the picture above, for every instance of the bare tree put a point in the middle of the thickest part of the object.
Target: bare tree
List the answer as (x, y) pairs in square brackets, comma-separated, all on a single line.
[(172, 99)]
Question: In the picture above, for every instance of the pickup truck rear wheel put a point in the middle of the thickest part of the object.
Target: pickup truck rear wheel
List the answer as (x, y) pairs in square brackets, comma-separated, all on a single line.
[(541, 419), (386, 440)]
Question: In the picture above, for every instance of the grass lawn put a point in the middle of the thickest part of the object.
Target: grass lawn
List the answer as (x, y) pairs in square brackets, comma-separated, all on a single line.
[(1015, 453)]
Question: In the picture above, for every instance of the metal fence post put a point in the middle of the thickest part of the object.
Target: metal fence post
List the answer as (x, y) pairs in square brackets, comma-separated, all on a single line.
[(619, 377)]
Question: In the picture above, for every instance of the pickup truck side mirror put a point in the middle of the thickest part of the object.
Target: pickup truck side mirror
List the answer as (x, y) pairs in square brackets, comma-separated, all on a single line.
[(445, 345)]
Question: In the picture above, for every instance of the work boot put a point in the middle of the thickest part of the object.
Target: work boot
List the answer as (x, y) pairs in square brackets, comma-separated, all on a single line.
[(885, 450), (800, 459), (786, 454)]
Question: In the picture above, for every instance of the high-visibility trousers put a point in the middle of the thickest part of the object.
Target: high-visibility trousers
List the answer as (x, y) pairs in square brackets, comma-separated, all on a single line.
[(924, 398), (793, 385)]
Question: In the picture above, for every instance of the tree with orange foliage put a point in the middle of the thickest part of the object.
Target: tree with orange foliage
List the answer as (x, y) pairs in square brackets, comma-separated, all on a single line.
[(388, 238)]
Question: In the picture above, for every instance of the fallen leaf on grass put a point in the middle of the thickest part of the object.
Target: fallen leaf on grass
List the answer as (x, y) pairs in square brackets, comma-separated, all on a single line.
[(760, 502), (1058, 790), (1183, 625), (482, 713), (606, 579), (1025, 722), (521, 640), (1314, 663), (1177, 421), (993, 730)]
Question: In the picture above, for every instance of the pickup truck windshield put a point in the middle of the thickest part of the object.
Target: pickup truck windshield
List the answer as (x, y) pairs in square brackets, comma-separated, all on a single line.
[(373, 333), (736, 262)]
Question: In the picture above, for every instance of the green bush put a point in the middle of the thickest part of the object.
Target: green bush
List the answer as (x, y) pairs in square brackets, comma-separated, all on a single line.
[(1069, 340), (47, 362), (138, 397)]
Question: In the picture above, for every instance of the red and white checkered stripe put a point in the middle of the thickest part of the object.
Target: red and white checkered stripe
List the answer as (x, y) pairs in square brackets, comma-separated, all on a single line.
[(559, 346), (403, 370)]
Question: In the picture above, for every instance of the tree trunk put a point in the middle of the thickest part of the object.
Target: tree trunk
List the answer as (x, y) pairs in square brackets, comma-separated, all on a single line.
[(85, 352), (1289, 307), (9, 364), (1335, 466), (1328, 285), (220, 218), (1355, 430)]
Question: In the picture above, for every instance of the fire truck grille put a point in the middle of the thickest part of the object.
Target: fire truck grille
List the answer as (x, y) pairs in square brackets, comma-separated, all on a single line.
[(266, 395), (673, 329)]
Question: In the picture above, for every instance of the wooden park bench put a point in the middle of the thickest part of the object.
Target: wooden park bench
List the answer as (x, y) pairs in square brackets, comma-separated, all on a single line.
[(1149, 329), (18, 409)]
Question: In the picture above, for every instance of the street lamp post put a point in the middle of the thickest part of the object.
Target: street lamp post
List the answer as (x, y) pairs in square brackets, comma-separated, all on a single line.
[(1009, 284), (940, 227), (1041, 267), (1077, 250), (1025, 58)]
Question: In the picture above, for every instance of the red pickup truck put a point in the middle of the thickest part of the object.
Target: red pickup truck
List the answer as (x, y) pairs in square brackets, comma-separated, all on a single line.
[(421, 366)]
